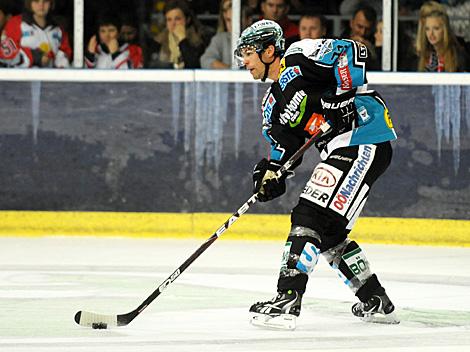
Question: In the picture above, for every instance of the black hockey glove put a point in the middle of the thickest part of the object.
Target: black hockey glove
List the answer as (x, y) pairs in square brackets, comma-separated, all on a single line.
[(340, 110), (265, 182)]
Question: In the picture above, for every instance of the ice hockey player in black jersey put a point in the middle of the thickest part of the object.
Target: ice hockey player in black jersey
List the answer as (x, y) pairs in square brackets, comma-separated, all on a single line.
[(316, 81)]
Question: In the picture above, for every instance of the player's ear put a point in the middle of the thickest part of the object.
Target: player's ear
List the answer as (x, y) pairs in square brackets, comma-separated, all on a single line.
[(270, 50)]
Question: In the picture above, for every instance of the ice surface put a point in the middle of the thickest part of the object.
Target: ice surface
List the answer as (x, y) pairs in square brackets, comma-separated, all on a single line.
[(45, 281)]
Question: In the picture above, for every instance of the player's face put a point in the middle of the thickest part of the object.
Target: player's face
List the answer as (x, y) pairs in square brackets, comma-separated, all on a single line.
[(175, 18), (274, 10), (360, 26), (252, 62), (310, 27), (434, 28), (108, 33), (40, 7)]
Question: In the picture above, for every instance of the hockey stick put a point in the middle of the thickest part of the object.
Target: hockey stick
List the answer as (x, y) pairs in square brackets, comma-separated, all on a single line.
[(103, 321)]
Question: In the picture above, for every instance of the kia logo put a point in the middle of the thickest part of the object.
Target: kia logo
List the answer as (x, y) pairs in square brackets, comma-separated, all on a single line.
[(323, 177)]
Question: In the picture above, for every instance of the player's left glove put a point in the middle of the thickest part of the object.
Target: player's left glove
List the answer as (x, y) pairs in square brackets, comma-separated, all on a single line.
[(265, 182), (340, 109)]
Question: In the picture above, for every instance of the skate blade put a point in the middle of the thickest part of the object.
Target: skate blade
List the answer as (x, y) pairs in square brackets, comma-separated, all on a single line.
[(280, 322), (390, 318)]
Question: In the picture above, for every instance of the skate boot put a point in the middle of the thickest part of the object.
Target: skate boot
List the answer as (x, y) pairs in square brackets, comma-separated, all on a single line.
[(279, 313), (377, 309)]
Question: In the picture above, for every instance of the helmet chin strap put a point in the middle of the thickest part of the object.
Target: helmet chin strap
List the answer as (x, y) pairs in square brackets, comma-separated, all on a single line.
[(266, 67)]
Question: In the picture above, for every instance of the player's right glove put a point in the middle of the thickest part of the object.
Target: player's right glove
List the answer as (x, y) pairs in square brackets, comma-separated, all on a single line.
[(340, 109), (265, 182)]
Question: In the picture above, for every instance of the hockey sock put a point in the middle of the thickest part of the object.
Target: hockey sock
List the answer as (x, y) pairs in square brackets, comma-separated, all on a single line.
[(300, 256), (352, 266)]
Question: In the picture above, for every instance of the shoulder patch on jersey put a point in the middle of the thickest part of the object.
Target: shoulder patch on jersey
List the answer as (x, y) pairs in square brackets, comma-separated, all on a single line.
[(294, 49), (282, 66), (321, 49), (363, 114), (288, 75), (362, 50), (267, 107), (388, 119)]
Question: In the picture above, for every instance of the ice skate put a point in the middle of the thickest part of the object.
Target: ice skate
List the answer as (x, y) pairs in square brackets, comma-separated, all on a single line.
[(279, 313), (378, 309)]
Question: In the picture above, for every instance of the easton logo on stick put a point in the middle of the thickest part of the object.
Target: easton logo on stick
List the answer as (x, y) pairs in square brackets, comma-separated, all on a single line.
[(169, 280)]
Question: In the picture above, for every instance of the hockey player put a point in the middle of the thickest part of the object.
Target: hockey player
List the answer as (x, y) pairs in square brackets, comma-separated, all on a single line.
[(34, 39), (318, 80)]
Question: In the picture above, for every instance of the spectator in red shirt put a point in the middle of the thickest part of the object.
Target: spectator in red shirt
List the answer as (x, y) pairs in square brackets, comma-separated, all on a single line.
[(277, 10), (107, 52), (36, 38)]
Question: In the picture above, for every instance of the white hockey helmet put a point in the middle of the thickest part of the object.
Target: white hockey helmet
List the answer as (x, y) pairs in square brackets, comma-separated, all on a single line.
[(259, 36)]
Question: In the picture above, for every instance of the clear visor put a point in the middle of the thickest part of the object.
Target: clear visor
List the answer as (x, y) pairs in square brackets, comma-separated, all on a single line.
[(243, 52)]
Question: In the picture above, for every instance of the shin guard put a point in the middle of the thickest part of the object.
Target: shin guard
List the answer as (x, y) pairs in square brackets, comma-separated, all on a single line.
[(350, 263), (300, 256)]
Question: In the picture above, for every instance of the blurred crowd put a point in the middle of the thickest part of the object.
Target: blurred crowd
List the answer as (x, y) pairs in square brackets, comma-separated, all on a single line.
[(179, 34)]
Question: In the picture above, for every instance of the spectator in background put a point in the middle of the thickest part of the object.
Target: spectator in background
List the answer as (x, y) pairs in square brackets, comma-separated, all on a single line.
[(105, 51), (362, 27), (5, 13), (376, 64), (129, 30), (436, 45), (277, 10), (348, 7), (5, 50), (218, 54), (460, 10), (181, 44), (311, 25), (329, 7), (38, 40)]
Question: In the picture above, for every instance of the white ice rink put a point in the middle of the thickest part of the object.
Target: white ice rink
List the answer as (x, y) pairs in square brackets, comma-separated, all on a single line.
[(45, 281)]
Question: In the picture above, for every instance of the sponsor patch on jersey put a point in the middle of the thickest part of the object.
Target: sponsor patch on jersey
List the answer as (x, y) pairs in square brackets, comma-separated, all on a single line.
[(282, 66), (362, 50), (291, 113), (344, 72), (363, 114), (314, 123), (320, 187), (288, 75), (268, 107), (353, 180), (388, 119)]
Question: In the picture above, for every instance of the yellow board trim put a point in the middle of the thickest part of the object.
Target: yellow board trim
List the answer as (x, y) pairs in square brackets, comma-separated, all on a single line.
[(203, 225)]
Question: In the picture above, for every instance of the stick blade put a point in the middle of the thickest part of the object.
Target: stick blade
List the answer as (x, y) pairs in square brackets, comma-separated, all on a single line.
[(95, 321)]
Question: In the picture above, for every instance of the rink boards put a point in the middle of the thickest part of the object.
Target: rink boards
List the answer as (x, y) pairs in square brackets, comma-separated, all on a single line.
[(202, 225)]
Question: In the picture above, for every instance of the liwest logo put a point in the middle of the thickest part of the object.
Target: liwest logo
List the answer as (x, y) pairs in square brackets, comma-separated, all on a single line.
[(288, 75)]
